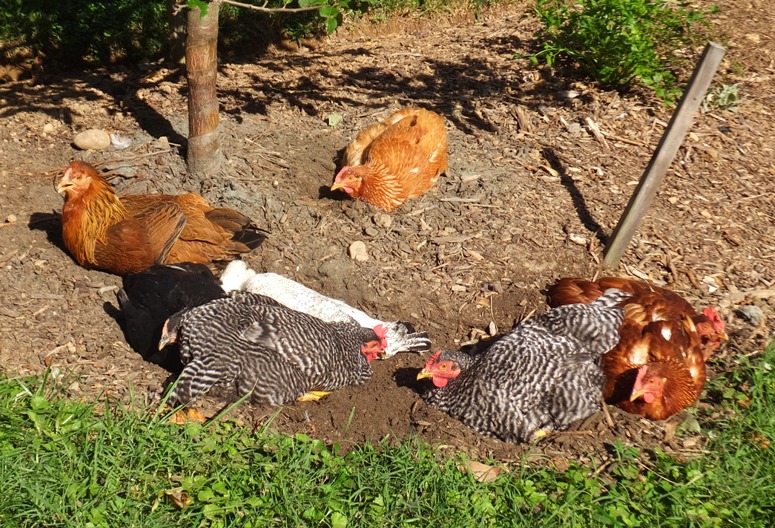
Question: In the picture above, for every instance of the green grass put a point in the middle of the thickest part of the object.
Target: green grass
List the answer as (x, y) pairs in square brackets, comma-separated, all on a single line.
[(65, 463)]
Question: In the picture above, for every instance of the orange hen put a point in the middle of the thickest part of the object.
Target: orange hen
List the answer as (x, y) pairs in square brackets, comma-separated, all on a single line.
[(658, 366), (399, 158), (132, 233)]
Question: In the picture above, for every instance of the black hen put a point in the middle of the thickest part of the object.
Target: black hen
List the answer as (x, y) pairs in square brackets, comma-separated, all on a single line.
[(256, 344), (149, 298), (539, 377)]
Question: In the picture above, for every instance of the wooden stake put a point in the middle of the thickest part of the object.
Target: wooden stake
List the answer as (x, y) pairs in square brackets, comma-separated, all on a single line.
[(665, 153)]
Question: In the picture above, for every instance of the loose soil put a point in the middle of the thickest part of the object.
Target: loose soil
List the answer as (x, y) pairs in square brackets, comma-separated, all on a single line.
[(532, 193)]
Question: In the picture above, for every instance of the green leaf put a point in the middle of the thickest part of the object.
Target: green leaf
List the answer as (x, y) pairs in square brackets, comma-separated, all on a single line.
[(205, 495), (338, 520), (203, 6), (334, 119), (331, 24), (328, 11), (38, 402)]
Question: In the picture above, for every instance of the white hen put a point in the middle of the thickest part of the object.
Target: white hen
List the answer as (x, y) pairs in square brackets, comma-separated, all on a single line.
[(400, 336)]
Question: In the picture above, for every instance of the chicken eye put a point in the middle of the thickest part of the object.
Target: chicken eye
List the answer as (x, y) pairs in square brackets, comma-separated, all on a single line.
[(443, 366)]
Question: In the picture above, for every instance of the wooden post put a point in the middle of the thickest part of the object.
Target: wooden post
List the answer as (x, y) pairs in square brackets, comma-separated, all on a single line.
[(665, 153)]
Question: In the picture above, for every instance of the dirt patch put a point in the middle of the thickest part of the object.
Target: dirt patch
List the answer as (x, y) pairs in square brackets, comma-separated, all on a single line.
[(531, 195)]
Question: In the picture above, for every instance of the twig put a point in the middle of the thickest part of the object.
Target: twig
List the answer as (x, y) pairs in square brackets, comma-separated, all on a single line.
[(608, 419), (137, 156), (265, 9), (624, 140), (599, 136)]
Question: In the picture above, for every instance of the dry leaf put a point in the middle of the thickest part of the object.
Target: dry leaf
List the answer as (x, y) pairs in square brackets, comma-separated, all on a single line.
[(481, 472), (178, 497), (760, 440), (191, 414)]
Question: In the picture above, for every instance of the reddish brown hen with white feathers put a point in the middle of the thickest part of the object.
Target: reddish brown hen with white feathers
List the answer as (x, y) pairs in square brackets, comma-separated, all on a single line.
[(132, 233), (658, 366)]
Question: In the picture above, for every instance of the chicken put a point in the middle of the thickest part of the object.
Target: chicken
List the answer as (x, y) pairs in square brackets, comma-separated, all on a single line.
[(658, 367), (132, 233), (399, 158), (400, 336), (263, 348), (538, 378), (149, 298)]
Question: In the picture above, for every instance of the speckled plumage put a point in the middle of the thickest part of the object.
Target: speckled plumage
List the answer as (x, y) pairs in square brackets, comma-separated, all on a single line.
[(256, 343), (541, 376)]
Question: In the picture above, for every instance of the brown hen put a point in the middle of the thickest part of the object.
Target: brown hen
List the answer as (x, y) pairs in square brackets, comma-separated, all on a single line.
[(398, 158), (658, 366), (132, 233)]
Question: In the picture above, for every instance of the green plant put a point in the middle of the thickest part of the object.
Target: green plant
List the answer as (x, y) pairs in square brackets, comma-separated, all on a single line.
[(722, 97), (617, 41), (86, 30)]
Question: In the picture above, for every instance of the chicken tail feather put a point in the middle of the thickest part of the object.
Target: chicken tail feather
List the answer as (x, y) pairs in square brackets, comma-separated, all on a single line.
[(249, 237)]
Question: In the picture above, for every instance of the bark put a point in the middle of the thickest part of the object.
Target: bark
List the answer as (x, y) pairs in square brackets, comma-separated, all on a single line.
[(204, 145)]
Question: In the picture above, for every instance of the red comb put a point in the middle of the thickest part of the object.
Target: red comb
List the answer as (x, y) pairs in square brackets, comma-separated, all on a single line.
[(381, 332), (431, 360)]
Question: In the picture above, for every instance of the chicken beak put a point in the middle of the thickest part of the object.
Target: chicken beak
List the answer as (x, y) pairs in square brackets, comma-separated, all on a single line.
[(164, 341), (167, 337), (637, 394), (424, 374), (723, 336), (337, 186), (62, 186)]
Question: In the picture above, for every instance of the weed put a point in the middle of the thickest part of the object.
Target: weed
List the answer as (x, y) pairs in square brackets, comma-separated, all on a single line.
[(722, 97), (617, 41)]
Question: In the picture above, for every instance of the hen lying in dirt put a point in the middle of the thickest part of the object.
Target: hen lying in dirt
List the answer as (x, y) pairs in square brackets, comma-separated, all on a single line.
[(261, 347), (149, 298), (658, 367), (538, 378), (398, 158), (132, 233), (401, 337)]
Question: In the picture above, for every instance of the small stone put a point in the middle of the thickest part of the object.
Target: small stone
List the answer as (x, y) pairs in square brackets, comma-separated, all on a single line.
[(357, 251), (48, 128), (383, 220), (371, 231), (10, 219), (92, 139), (578, 239), (752, 314)]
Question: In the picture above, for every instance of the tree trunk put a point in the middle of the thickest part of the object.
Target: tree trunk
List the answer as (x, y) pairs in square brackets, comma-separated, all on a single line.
[(176, 16), (204, 145)]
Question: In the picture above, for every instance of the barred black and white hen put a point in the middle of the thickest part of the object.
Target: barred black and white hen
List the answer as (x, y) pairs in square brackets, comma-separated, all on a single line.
[(400, 336), (148, 298), (538, 378), (259, 345)]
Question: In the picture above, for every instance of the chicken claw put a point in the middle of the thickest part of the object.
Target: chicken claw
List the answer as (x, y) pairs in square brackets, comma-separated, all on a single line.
[(313, 396)]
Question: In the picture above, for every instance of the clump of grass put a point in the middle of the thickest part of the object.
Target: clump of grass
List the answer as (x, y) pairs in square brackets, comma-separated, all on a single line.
[(66, 463), (617, 41)]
